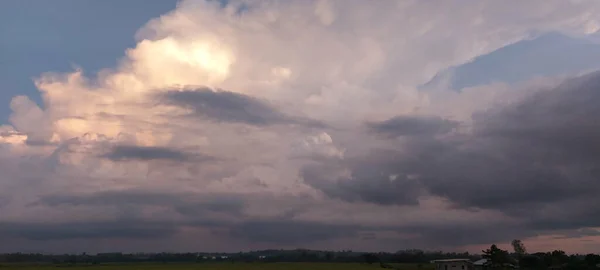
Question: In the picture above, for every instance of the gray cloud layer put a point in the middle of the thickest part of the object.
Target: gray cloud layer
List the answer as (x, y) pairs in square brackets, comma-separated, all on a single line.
[(221, 213), (127, 229), (535, 161), (231, 107), (413, 126), (127, 152)]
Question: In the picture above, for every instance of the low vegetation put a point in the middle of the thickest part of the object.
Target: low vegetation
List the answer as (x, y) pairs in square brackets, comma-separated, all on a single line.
[(215, 266), (302, 259)]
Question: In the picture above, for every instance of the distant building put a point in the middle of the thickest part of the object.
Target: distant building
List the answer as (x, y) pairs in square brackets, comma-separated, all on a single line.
[(482, 264), (453, 264)]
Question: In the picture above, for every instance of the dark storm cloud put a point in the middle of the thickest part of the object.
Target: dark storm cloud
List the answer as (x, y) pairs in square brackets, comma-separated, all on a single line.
[(4, 200), (375, 179), (88, 230), (578, 233), (467, 233), (541, 150), (413, 126), (190, 205), (230, 107), (283, 232), (536, 161), (198, 211), (207, 211), (290, 232), (223, 204), (130, 152), (566, 214), (34, 142), (563, 120)]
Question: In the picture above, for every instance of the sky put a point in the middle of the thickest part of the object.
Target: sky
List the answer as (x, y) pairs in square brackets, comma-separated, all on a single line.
[(197, 125)]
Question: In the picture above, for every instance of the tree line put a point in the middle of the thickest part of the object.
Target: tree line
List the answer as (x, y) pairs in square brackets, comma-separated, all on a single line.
[(297, 255), (497, 258), (556, 259)]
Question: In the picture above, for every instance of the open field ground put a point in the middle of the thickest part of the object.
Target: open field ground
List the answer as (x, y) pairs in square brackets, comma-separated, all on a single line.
[(215, 266)]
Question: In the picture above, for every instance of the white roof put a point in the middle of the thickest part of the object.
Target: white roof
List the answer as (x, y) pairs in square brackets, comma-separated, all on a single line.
[(481, 262), (451, 260)]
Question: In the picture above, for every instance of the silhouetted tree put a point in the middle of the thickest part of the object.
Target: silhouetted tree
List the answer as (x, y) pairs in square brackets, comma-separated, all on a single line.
[(519, 247), (592, 259), (370, 258), (496, 256), (531, 262), (559, 257)]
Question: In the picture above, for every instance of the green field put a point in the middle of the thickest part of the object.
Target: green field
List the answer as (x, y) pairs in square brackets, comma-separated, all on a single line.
[(215, 266)]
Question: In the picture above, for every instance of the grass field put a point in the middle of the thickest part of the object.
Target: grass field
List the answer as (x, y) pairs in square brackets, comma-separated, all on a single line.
[(217, 266)]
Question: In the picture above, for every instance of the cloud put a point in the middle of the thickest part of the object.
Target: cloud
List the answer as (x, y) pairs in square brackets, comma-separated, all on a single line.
[(125, 152), (222, 213), (230, 107), (580, 233), (290, 232), (29, 119), (314, 113), (413, 126), (532, 160), (189, 205), (374, 179), (449, 235), (86, 230), (537, 150), (9, 136), (134, 213)]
